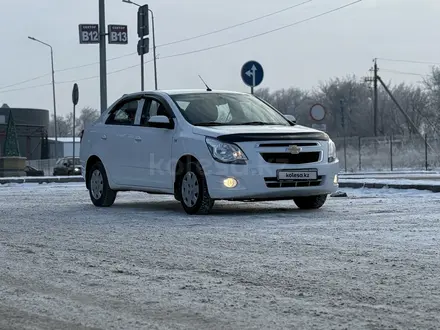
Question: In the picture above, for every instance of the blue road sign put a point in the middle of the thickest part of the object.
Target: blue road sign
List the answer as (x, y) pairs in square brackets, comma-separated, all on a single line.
[(252, 73)]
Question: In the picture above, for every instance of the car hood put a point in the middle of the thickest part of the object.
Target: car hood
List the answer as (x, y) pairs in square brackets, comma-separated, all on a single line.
[(215, 131)]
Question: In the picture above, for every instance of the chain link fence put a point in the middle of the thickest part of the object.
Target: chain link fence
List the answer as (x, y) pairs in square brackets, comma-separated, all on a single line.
[(388, 153), (46, 165)]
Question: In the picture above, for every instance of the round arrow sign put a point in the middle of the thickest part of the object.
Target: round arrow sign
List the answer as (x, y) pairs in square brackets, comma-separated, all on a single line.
[(317, 112), (75, 94), (252, 73)]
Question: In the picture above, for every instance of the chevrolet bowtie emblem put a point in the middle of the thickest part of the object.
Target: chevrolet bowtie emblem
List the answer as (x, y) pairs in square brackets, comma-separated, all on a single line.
[(294, 149)]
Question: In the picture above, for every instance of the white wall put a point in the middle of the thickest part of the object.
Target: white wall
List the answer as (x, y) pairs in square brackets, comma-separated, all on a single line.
[(68, 149)]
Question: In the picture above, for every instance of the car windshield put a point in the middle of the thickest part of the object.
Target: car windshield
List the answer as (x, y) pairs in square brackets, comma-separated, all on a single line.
[(215, 109), (77, 161)]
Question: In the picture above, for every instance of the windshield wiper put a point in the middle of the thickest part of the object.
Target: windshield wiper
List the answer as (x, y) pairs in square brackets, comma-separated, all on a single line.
[(210, 123), (256, 123)]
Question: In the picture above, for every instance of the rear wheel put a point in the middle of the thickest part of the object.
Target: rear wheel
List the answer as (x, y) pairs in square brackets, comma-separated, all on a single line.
[(99, 189), (194, 193), (310, 202)]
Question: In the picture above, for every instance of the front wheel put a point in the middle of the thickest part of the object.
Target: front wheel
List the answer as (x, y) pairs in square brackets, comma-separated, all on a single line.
[(310, 202), (100, 192), (194, 191)]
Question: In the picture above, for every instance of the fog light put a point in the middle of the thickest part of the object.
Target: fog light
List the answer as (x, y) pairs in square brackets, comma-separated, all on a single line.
[(336, 179), (230, 183)]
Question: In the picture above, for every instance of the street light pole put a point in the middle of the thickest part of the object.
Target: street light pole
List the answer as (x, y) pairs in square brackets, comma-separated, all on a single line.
[(102, 56), (154, 47), (53, 93)]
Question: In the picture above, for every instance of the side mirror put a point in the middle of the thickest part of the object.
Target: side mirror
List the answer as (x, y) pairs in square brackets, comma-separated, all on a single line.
[(290, 118), (65, 164), (160, 122)]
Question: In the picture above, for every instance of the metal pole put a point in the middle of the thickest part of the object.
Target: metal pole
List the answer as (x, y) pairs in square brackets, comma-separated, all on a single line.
[(102, 56), (142, 73), (360, 154), (375, 98), (391, 152), (154, 49), (252, 90), (74, 135), (54, 103), (426, 152)]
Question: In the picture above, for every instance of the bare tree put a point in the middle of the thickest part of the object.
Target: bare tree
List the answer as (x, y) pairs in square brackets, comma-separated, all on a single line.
[(87, 116)]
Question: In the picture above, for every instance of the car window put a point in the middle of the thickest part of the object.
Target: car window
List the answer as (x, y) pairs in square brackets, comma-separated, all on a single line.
[(226, 109), (153, 108), (124, 114)]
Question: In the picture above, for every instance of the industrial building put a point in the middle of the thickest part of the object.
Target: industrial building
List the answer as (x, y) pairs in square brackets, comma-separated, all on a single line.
[(64, 146), (31, 126)]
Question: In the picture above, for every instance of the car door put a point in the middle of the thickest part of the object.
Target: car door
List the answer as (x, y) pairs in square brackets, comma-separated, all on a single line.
[(120, 141), (153, 146)]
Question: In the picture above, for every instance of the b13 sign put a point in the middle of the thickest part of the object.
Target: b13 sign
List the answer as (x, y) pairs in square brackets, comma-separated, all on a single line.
[(118, 34)]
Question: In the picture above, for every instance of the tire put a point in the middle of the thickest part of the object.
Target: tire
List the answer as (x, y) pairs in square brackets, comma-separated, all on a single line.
[(310, 202), (99, 189), (194, 193)]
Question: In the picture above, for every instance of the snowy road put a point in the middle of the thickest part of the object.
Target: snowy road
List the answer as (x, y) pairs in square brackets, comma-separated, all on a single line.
[(370, 261)]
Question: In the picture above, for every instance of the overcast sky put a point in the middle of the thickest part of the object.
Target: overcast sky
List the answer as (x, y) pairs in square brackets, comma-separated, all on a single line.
[(341, 43)]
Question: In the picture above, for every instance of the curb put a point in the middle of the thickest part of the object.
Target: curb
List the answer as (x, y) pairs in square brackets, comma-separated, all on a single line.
[(55, 179), (433, 188), (356, 185)]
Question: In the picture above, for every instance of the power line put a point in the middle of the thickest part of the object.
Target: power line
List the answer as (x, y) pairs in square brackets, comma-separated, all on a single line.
[(73, 80), (234, 26), (402, 72), (262, 34), (408, 61), (25, 81), (190, 38), (204, 49)]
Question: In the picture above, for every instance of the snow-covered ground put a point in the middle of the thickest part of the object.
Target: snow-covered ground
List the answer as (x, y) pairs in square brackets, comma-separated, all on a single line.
[(369, 261)]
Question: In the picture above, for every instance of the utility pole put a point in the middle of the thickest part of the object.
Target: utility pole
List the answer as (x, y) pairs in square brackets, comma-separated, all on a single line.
[(102, 56), (374, 80), (376, 101)]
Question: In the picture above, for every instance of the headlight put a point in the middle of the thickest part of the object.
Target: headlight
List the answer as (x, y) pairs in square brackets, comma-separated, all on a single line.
[(331, 151), (225, 152), (77, 169)]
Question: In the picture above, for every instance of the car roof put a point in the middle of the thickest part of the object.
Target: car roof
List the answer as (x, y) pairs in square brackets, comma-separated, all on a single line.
[(181, 91)]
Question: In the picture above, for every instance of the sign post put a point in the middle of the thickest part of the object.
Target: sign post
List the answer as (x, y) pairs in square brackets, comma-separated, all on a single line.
[(252, 74), (317, 113), (95, 34), (143, 30), (118, 34), (75, 98)]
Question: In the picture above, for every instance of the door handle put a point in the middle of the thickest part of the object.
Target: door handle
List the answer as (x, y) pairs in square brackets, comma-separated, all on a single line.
[(138, 139), (104, 137)]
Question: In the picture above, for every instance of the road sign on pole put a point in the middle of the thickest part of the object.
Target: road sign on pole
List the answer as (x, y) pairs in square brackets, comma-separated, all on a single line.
[(252, 74), (88, 34), (143, 27), (317, 112), (143, 46), (75, 94), (118, 34)]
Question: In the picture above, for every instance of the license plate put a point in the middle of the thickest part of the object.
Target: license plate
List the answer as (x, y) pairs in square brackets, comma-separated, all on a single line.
[(297, 175)]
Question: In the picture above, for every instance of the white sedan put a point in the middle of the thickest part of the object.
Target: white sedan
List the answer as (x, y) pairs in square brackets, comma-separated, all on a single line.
[(202, 146)]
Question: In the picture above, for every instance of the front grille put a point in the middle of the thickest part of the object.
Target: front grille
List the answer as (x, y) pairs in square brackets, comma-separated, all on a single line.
[(299, 144), (274, 183), (286, 158)]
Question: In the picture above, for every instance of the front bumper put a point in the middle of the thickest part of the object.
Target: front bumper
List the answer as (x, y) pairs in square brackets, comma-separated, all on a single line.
[(261, 183)]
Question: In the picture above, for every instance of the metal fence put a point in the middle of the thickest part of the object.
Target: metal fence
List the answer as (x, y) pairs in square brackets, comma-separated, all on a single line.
[(356, 154), (45, 165), (388, 153)]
